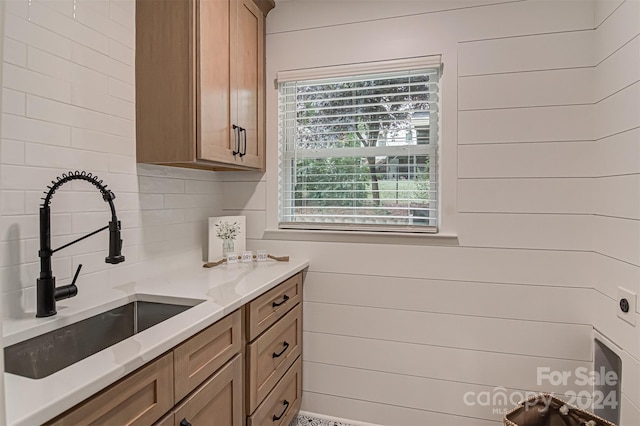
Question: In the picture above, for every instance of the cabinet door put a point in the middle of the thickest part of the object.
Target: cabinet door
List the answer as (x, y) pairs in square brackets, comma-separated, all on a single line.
[(201, 355), (139, 399), (247, 81), (218, 402), (213, 95)]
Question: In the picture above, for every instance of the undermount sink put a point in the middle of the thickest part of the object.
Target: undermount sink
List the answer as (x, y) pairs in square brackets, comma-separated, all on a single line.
[(48, 353)]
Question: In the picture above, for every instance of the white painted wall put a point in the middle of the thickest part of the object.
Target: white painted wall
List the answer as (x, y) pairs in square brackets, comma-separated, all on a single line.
[(69, 104), (540, 186)]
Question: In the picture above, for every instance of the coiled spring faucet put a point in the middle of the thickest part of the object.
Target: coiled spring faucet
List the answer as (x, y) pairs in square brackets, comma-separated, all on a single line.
[(47, 292)]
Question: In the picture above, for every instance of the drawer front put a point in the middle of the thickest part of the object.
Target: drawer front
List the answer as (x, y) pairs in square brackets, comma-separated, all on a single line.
[(283, 402), (271, 355), (139, 399), (200, 356), (273, 305), (218, 402)]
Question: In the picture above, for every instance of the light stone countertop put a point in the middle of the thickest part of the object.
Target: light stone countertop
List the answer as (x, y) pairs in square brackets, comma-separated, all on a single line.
[(223, 288)]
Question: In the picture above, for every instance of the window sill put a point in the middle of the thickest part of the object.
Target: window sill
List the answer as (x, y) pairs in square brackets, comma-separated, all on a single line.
[(394, 238)]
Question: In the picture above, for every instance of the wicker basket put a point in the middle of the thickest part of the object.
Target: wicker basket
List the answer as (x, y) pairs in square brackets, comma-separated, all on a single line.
[(547, 410)]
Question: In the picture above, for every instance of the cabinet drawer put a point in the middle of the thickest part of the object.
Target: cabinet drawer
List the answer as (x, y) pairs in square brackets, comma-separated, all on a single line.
[(200, 356), (271, 355), (216, 403), (283, 402), (273, 305), (139, 399)]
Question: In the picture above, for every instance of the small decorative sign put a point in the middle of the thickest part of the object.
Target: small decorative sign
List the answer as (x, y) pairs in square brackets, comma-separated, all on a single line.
[(247, 257), (227, 234)]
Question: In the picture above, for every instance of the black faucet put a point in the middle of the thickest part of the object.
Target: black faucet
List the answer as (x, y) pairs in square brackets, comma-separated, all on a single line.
[(47, 292)]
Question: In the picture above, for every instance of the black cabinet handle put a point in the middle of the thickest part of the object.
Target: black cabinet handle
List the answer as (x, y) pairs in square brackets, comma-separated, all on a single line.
[(184, 422), (236, 131), (284, 299), (244, 151), (285, 346), (286, 406)]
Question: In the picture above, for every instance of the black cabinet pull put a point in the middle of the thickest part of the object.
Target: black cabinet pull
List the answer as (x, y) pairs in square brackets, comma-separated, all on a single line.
[(236, 132), (244, 151), (284, 299), (285, 346), (286, 406), (184, 422)]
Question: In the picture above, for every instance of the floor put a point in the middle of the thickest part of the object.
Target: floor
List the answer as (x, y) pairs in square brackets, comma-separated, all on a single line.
[(301, 420)]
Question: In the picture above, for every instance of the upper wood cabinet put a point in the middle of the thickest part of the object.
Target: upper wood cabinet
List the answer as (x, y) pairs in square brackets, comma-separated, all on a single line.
[(200, 83)]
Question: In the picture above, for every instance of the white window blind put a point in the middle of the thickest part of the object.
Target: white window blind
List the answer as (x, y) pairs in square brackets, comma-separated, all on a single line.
[(359, 151)]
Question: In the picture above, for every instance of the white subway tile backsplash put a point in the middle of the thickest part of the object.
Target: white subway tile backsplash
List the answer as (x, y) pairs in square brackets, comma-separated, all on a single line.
[(26, 226), (122, 127), (151, 201), (12, 152), (98, 6), (33, 35), (122, 90), (26, 178), (102, 23), (15, 52), (64, 7), (120, 183), (85, 97), (41, 14), (64, 158), (58, 112), (21, 276), (63, 69), (85, 222), (202, 187), (100, 62), (13, 252), (13, 102), (156, 185), (162, 217), (17, 7), (27, 81), (122, 53), (159, 249), (12, 202), (175, 201), (30, 130), (122, 164), (103, 142), (122, 13)]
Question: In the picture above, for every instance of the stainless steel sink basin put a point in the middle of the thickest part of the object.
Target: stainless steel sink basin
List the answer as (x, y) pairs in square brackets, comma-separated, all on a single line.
[(50, 352)]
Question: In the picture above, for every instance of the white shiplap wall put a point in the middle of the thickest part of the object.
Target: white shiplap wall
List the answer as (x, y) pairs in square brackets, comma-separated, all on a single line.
[(616, 176), (69, 104), (538, 186)]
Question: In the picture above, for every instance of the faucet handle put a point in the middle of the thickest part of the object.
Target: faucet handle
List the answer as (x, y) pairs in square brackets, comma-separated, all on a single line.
[(75, 277)]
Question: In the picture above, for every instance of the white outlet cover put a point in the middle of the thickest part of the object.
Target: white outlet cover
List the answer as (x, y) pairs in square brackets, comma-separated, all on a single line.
[(630, 316)]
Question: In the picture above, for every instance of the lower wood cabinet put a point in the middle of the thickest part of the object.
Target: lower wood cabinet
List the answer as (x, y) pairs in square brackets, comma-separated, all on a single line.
[(204, 380), (138, 399), (283, 402), (218, 402), (273, 351), (200, 356)]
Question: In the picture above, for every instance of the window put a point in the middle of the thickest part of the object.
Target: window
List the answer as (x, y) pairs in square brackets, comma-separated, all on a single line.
[(359, 147)]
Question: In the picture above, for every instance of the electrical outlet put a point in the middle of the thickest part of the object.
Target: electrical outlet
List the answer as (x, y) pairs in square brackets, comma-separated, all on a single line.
[(627, 305)]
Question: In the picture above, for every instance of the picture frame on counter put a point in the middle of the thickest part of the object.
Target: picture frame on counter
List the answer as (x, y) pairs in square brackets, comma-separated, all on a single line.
[(227, 234)]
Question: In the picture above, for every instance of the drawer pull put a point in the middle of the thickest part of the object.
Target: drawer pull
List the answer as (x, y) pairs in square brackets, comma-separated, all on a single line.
[(284, 299), (285, 346), (286, 406), (184, 422)]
